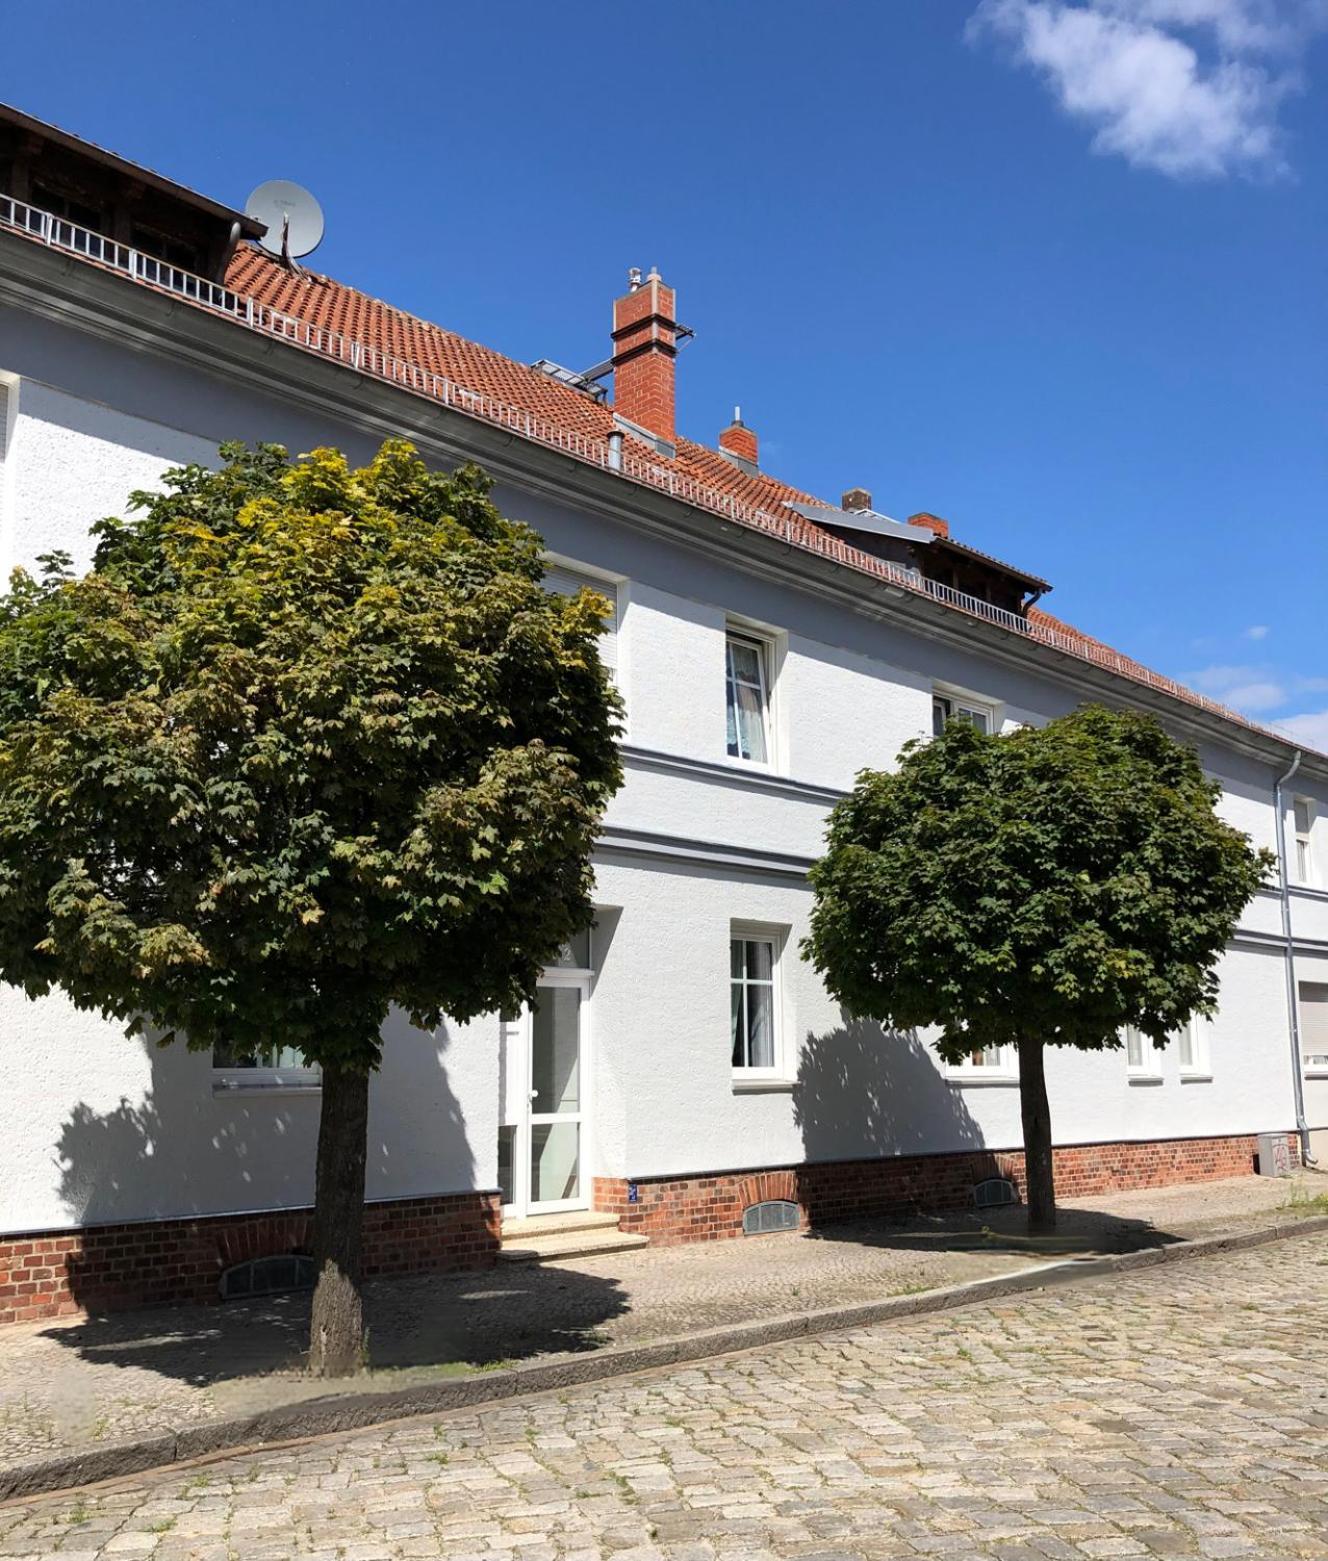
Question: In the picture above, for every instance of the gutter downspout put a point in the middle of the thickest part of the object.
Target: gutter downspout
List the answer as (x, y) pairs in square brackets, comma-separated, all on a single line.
[(1293, 996)]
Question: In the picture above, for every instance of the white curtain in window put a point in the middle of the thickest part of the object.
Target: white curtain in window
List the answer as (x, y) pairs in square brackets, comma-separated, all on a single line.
[(746, 700)]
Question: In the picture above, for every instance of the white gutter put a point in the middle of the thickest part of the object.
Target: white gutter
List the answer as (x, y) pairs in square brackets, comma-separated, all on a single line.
[(1293, 994)]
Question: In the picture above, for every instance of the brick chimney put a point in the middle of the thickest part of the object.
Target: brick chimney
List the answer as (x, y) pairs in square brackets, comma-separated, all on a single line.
[(855, 498), (739, 440), (645, 332), (932, 523)]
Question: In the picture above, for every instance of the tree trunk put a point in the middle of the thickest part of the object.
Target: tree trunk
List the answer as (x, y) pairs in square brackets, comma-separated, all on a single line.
[(336, 1328), (1038, 1170)]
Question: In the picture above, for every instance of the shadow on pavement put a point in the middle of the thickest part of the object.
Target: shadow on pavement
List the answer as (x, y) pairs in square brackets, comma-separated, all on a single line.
[(506, 1314)]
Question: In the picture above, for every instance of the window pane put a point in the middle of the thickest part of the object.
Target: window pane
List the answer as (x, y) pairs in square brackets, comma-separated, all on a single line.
[(1134, 1048), (1303, 860), (736, 955), (760, 1027), (1302, 817), (760, 961), (1185, 1047), (576, 954), (751, 723), (738, 1026), (745, 661), (978, 718), (506, 1170), (940, 713), (279, 1058)]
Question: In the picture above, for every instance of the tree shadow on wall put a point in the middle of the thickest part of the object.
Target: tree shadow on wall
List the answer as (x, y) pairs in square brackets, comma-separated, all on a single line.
[(863, 1091), (888, 1139), (181, 1150)]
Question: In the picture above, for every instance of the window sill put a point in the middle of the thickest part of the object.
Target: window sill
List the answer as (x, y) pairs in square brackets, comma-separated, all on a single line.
[(769, 1084), (1146, 1078), (267, 1084), (983, 1080), (1196, 1078), (733, 761)]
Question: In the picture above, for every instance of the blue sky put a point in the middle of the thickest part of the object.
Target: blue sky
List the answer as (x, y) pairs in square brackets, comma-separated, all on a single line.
[(1051, 268)]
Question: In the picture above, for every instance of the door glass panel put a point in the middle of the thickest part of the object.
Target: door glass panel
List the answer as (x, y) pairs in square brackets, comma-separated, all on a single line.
[(555, 1161), (556, 1059)]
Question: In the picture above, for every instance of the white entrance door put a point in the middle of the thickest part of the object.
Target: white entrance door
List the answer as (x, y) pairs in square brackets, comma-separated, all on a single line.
[(542, 1141)]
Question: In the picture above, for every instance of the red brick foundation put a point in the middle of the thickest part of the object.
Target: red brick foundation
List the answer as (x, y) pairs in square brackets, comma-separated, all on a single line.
[(671, 1209), (113, 1267)]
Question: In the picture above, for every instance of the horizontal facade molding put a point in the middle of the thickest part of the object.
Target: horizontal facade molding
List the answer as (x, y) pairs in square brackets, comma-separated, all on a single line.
[(730, 774), (701, 853), (1275, 942), (77, 294)]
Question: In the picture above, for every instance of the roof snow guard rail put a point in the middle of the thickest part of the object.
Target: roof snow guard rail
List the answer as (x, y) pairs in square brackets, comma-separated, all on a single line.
[(58, 233)]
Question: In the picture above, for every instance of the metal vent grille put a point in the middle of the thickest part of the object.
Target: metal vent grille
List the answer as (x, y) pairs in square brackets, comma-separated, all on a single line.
[(778, 1214), (268, 1276), (995, 1193)]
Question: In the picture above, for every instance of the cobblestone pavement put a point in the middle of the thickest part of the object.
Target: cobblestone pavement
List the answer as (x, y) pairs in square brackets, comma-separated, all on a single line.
[(100, 1380), (1182, 1411)]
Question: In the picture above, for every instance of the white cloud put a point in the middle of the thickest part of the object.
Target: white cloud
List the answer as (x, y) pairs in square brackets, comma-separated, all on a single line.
[(1246, 688), (1190, 88), (1310, 729), (1256, 688), (1256, 631)]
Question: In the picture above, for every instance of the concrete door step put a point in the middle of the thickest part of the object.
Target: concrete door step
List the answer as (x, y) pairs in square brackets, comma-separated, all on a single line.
[(557, 1224), (568, 1244)]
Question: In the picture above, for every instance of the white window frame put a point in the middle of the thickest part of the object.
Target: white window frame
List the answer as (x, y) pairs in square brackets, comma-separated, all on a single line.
[(290, 1079), (1303, 863), (776, 936), (960, 706), (1148, 1069), (1314, 1063), (765, 646), (566, 579), (1199, 1064), (995, 1065)]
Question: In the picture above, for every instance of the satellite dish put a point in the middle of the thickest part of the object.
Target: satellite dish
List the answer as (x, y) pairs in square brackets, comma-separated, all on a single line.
[(294, 218)]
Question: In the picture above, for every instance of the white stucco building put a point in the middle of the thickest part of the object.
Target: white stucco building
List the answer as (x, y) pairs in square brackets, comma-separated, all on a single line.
[(684, 1064)]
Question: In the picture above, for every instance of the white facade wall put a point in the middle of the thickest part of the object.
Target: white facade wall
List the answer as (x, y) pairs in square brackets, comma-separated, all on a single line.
[(98, 1128)]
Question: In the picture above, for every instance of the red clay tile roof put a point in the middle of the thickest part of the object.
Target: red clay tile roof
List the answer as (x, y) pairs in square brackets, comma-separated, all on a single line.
[(301, 308), (324, 302), (328, 304)]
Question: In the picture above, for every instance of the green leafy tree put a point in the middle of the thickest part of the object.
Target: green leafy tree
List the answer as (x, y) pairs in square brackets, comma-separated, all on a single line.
[(306, 742), (1047, 887)]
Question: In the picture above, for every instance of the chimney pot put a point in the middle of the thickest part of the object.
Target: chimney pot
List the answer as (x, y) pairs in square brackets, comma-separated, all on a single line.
[(929, 522), (739, 440), (645, 335), (856, 498)]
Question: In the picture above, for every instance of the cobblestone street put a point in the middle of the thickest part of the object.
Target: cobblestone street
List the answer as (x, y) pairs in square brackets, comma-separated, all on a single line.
[(1182, 1412)]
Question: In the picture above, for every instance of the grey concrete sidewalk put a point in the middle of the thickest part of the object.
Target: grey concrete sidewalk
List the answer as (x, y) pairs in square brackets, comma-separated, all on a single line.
[(83, 1383)]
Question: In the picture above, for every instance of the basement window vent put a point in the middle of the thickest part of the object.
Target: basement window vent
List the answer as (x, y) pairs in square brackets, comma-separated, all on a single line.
[(995, 1193), (268, 1276), (762, 1218)]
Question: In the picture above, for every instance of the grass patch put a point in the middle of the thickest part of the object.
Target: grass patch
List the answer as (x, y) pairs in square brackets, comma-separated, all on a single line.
[(1304, 1203)]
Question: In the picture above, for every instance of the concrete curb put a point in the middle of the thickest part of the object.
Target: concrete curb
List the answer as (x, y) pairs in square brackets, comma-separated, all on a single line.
[(354, 1411)]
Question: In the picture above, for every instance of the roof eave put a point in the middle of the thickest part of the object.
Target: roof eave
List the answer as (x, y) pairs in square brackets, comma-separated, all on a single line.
[(90, 299), (249, 227)]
